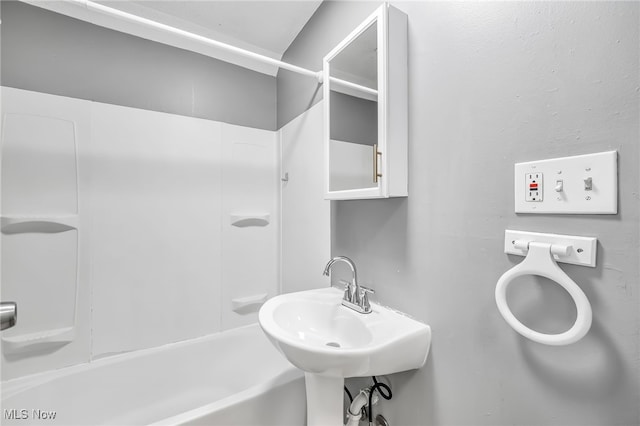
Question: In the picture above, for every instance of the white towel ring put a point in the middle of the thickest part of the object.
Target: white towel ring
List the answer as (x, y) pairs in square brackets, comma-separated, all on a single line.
[(540, 261)]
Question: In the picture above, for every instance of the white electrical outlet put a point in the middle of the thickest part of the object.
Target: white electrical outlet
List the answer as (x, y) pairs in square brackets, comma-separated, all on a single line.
[(533, 187), (583, 184)]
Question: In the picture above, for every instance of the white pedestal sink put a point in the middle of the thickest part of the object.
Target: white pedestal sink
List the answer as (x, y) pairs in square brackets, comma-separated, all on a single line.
[(330, 342)]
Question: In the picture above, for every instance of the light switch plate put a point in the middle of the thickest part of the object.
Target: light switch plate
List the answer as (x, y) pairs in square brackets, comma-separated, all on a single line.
[(567, 179)]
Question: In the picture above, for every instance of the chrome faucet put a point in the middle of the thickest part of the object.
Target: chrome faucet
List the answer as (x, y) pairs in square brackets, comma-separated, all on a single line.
[(355, 296), (8, 314)]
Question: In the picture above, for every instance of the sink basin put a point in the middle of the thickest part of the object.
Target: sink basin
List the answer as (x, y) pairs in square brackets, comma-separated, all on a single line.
[(318, 335), (330, 342)]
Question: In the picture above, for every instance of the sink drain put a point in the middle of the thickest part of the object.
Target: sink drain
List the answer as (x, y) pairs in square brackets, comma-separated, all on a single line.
[(333, 344)]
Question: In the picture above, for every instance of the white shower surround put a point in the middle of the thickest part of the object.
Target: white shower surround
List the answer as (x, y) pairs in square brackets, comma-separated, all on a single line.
[(159, 260)]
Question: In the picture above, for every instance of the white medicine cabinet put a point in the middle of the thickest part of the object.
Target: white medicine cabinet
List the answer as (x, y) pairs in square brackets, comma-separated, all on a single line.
[(365, 107)]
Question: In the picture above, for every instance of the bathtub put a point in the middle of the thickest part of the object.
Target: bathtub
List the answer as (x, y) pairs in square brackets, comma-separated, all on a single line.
[(231, 378)]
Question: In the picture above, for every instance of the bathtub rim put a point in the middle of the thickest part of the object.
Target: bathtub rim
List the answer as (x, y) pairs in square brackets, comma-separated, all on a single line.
[(12, 387), (287, 376)]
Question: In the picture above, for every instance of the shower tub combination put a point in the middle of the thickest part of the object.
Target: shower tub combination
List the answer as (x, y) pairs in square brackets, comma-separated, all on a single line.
[(235, 377)]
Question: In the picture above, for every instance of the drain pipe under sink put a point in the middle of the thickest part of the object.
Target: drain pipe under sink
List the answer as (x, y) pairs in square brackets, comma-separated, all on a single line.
[(355, 409)]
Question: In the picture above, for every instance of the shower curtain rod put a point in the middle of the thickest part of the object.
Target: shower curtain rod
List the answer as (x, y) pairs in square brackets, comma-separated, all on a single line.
[(241, 52), (90, 5)]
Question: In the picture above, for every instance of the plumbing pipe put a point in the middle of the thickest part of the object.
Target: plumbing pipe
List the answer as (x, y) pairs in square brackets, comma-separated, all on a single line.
[(353, 420), (355, 409)]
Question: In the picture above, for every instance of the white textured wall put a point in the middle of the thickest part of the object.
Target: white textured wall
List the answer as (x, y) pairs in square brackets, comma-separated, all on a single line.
[(491, 84)]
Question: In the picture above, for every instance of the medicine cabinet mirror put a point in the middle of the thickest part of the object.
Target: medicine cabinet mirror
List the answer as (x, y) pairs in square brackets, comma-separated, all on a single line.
[(365, 100)]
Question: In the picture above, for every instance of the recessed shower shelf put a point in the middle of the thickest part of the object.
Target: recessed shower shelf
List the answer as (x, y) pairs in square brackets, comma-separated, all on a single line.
[(43, 224), (38, 340), (244, 305), (243, 221)]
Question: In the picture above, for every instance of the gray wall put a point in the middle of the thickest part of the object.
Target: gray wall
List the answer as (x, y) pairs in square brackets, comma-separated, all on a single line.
[(491, 84), (51, 53), (331, 22)]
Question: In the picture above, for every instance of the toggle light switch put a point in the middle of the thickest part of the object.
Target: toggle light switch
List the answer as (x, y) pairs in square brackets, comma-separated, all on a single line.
[(559, 186), (588, 184)]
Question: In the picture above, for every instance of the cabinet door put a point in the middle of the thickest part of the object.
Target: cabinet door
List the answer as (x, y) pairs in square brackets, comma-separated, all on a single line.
[(358, 118)]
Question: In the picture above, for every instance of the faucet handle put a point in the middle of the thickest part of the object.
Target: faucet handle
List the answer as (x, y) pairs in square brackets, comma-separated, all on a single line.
[(347, 290), (365, 297), (366, 290)]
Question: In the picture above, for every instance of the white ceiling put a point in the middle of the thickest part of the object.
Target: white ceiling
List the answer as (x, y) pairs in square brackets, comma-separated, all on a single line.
[(265, 27)]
